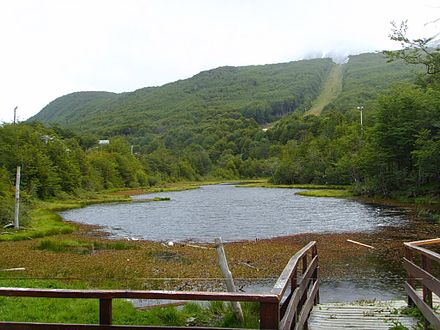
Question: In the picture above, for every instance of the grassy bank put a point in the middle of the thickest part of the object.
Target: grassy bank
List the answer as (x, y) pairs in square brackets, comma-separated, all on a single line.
[(86, 311), (266, 184), (335, 193), (44, 221)]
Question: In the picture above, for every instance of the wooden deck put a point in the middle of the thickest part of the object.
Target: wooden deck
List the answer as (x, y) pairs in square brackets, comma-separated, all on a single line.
[(362, 315)]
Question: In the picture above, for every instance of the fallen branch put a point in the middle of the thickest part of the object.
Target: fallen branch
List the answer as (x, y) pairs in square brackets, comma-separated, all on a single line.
[(13, 269), (197, 246), (249, 265), (361, 244)]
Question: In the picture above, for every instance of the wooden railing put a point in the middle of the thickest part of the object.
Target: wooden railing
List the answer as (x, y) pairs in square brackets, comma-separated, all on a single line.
[(278, 310), (304, 289), (422, 274)]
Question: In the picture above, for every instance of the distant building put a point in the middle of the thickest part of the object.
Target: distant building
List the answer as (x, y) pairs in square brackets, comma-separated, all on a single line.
[(103, 142), (46, 138)]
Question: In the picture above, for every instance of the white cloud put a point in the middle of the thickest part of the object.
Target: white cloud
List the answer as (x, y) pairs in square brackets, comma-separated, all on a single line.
[(54, 47)]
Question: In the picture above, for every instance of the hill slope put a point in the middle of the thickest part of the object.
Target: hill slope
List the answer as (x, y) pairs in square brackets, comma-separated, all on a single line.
[(331, 90), (261, 92), (365, 76), (70, 107)]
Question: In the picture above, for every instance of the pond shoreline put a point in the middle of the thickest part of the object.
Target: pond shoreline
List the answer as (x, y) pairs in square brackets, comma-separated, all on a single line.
[(154, 265), (235, 215)]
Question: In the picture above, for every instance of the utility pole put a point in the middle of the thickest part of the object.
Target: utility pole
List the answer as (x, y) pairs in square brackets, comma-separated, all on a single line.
[(15, 115), (361, 109), (17, 199)]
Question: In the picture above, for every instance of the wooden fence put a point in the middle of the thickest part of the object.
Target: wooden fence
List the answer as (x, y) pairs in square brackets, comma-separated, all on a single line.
[(416, 252), (287, 306)]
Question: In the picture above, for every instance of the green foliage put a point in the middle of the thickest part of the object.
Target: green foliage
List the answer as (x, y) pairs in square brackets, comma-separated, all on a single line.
[(42, 222), (79, 247), (336, 193), (365, 76), (416, 51), (54, 165), (6, 198), (404, 138), (259, 92), (209, 126)]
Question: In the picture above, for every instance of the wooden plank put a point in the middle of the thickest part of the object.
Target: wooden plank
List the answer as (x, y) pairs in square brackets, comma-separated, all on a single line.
[(426, 292), (409, 275), (285, 304), (293, 286), (427, 312), (58, 326), (423, 276), (282, 282), (289, 317), (316, 277), (307, 276), (124, 294), (377, 315), (305, 311), (425, 242), (105, 311), (298, 294), (430, 254), (269, 315)]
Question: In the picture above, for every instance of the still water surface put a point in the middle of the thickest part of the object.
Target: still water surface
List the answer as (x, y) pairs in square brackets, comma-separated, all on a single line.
[(235, 214), (247, 213)]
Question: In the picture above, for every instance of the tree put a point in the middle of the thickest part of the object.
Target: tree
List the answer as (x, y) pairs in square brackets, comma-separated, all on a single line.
[(415, 51), (6, 198)]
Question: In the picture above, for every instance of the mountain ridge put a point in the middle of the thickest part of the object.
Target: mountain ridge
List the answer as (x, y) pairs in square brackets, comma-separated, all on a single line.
[(261, 92)]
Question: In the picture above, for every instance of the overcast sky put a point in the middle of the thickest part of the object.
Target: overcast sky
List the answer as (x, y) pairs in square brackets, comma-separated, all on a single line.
[(50, 48)]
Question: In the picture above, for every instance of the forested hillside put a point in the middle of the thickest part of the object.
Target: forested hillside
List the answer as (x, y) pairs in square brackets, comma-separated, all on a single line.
[(55, 163), (209, 127), (365, 76), (69, 108), (261, 92)]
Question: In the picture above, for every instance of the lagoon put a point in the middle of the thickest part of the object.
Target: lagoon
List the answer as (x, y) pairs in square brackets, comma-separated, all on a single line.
[(235, 214)]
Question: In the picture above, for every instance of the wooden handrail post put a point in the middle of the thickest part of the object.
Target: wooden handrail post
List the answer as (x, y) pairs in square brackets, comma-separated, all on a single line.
[(105, 311), (294, 285), (315, 273), (304, 268), (409, 277), (269, 315), (427, 294), (304, 263)]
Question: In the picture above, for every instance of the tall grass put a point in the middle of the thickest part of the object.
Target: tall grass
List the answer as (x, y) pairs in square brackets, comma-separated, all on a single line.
[(336, 193), (81, 247)]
